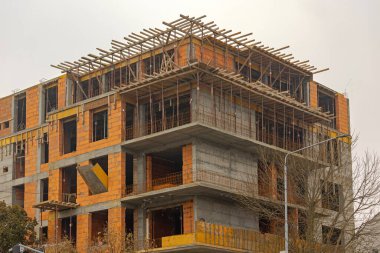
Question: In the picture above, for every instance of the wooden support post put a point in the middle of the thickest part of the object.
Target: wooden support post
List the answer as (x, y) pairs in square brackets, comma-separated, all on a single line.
[(178, 104)]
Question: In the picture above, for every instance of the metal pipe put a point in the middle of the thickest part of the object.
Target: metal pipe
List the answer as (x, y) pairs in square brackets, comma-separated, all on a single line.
[(286, 183)]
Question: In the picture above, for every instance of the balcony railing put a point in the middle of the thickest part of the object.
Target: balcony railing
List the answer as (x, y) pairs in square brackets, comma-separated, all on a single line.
[(158, 125), (207, 176), (230, 239), (69, 197), (170, 180)]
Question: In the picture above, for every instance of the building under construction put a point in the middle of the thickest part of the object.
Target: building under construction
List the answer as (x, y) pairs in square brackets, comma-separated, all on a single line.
[(154, 135)]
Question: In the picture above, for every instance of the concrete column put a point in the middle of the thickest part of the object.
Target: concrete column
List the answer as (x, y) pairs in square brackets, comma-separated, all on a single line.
[(139, 172), (69, 91), (141, 222), (41, 105), (141, 123)]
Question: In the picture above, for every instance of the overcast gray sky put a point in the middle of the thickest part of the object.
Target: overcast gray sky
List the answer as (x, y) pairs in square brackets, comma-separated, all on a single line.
[(342, 35)]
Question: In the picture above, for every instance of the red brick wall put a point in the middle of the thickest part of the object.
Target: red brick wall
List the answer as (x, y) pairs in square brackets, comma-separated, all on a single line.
[(342, 121), (6, 114), (32, 107), (61, 92), (216, 58), (30, 198), (54, 229), (116, 220), (83, 232), (313, 89), (187, 160), (148, 172), (84, 141), (188, 217), (116, 182)]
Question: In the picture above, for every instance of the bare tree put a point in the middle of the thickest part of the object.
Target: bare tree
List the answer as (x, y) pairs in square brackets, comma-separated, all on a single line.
[(327, 193), (111, 241)]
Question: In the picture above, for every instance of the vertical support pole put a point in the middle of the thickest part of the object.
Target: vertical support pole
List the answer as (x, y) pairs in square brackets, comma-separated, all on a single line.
[(138, 113), (177, 104), (197, 102), (70, 227), (213, 102), (241, 113), (230, 107), (56, 228), (250, 117), (163, 120), (150, 110), (284, 131), (41, 235), (262, 120), (293, 128), (274, 125)]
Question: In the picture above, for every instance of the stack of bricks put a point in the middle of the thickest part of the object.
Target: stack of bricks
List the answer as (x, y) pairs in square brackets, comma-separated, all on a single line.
[(342, 113), (61, 92), (181, 57), (188, 217), (313, 89), (187, 166), (149, 172)]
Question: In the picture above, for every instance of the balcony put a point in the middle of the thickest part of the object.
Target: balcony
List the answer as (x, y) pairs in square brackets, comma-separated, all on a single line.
[(220, 238), (209, 177), (291, 138)]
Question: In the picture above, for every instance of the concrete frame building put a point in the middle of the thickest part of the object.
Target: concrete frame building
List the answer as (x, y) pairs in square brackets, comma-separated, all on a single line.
[(153, 136)]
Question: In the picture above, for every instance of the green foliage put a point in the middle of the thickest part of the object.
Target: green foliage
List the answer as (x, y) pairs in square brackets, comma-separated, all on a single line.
[(15, 227)]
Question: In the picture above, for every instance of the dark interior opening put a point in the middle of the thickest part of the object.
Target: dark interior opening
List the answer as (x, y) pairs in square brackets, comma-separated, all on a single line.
[(331, 235), (280, 188), (44, 235), (44, 189), (100, 125), (99, 222), (330, 195), (19, 195), (166, 222), (69, 228), (327, 102), (69, 136), (264, 225), (129, 173), (129, 120), (69, 184), (302, 225), (160, 116), (51, 99), (102, 161), (250, 75), (129, 221), (19, 161), (45, 149), (21, 112), (167, 167)]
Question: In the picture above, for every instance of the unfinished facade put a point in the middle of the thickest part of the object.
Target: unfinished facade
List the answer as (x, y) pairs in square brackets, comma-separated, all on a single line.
[(154, 136)]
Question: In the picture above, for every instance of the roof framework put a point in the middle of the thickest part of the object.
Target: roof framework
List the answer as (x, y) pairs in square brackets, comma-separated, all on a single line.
[(256, 93), (154, 38)]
